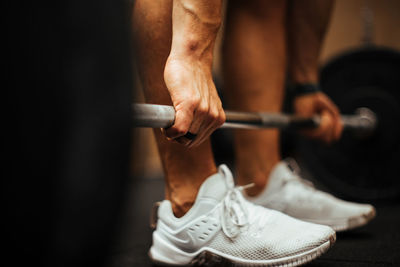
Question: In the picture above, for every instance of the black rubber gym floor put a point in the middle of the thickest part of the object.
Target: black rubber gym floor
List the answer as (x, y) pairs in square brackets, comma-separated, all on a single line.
[(377, 244)]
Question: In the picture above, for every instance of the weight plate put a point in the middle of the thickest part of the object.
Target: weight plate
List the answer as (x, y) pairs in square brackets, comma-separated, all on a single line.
[(354, 168)]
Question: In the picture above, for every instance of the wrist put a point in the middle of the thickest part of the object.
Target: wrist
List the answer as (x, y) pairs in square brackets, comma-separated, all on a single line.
[(300, 89), (182, 61), (192, 51)]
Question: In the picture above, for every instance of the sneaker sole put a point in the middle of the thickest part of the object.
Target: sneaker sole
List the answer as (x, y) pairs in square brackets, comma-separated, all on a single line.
[(355, 222), (346, 224), (208, 257)]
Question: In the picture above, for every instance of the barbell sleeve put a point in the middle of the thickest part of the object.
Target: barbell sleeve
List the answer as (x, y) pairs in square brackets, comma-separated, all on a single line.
[(162, 116)]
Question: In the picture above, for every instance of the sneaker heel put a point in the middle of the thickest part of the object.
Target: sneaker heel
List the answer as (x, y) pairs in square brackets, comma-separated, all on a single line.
[(154, 215)]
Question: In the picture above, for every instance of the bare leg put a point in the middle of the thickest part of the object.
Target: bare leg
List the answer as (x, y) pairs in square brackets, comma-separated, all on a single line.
[(184, 169), (307, 23), (254, 68)]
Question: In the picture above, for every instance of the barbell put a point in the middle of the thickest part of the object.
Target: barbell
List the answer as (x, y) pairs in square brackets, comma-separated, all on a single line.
[(363, 122)]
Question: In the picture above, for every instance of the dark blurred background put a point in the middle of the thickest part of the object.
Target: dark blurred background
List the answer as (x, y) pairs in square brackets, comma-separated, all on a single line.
[(68, 83)]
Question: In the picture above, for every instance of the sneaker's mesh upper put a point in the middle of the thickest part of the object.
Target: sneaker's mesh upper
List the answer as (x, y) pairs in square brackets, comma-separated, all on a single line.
[(280, 237), (297, 197)]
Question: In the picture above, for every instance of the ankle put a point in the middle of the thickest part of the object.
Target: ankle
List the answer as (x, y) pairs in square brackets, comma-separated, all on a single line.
[(180, 208), (258, 179), (258, 187), (256, 172)]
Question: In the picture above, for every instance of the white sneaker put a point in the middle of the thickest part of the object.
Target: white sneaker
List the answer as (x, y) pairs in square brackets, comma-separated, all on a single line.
[(290, 194), (223, 226)]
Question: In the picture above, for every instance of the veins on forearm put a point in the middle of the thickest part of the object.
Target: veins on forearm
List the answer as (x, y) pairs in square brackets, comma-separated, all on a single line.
[(199, 25)]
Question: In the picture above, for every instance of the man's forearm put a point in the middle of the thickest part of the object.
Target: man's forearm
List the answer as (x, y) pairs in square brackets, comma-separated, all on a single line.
[(187, 73), (195, 25)]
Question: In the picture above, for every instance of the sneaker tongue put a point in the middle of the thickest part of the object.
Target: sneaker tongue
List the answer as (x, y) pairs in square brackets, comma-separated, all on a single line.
[(216, 186)]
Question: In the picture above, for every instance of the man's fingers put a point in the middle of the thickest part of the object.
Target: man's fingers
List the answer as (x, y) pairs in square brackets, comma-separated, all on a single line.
[(324, 131), (200, 122), (327, 103), (199, 117), (327, 126), (337, 126), (183, 141), (331, 129), (183, 120), (215, 118), (331, 126), (338, 129)]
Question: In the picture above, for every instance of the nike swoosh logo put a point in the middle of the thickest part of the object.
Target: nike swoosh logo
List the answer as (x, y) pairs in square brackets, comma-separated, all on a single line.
[(184, 242), (179, 242)]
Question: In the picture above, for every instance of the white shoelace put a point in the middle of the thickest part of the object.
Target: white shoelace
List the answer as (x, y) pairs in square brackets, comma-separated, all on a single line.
[(234, 211)]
